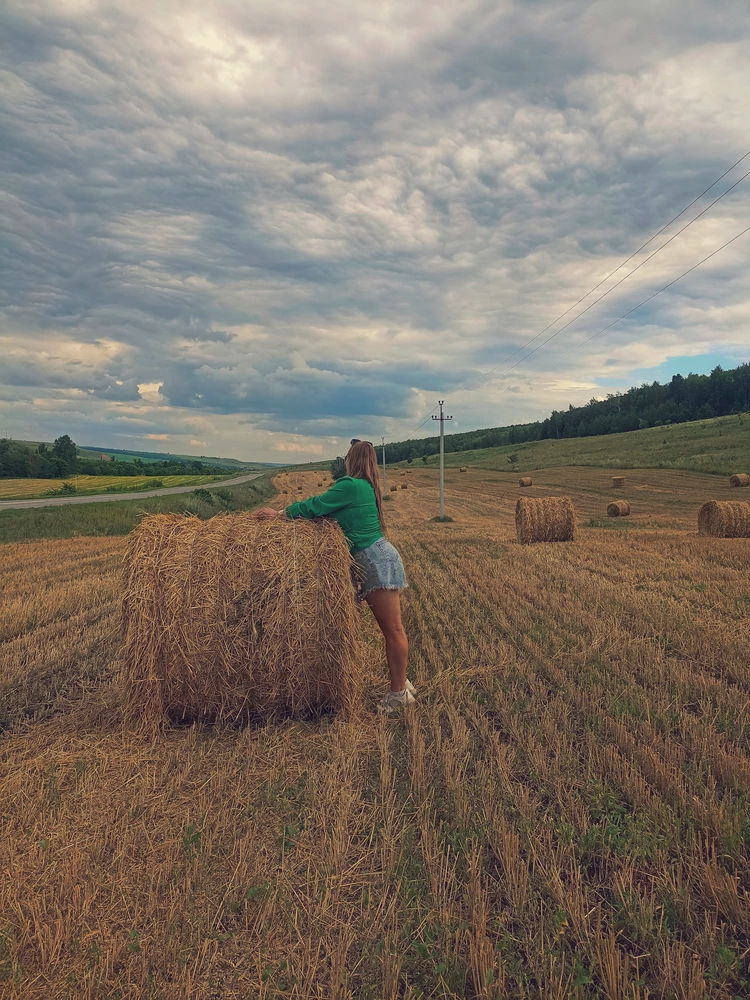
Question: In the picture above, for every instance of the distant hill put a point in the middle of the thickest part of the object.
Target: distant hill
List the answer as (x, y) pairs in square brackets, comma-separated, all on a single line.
[(683, 399), (123, 455), (720, 446)]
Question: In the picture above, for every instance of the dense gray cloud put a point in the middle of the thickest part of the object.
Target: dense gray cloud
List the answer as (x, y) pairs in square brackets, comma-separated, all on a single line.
[(287, 223)]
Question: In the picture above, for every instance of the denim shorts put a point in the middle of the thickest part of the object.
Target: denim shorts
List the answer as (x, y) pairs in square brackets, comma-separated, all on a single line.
[(380, 567)]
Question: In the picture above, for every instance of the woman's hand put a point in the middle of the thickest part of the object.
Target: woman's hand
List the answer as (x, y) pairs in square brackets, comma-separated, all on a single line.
[(265, 514)]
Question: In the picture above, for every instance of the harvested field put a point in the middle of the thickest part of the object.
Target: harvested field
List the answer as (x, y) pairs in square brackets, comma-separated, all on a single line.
[(565, 814)]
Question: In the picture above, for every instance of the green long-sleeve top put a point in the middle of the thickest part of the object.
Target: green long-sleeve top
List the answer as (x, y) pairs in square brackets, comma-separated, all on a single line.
[(352, 503)]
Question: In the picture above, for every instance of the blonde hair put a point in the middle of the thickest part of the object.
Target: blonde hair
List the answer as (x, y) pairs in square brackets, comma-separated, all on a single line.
[(362, 463)]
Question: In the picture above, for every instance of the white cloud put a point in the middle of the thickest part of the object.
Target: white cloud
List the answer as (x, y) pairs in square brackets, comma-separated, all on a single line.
[(298, 447), (315, 220)]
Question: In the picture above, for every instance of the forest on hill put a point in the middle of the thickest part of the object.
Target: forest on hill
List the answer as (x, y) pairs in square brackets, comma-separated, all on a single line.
[(684, 398)]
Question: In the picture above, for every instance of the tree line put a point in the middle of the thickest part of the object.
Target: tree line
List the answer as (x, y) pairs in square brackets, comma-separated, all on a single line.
[(694, 397), (19, 460)]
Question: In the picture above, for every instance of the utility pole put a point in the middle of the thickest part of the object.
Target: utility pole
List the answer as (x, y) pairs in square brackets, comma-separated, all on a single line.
[(385, 484), (442, 420)]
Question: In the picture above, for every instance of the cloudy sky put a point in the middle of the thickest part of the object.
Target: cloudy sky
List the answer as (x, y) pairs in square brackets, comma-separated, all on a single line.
[(255, 228)]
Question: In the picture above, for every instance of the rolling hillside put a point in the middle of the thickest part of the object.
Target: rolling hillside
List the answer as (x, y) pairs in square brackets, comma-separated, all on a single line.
[(720, 446)]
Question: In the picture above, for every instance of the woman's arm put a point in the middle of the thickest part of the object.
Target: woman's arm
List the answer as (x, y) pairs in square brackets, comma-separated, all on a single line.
[(338, 496)]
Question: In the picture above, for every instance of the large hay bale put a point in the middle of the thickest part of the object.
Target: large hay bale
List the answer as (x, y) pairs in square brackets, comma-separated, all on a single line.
[(404, 486), (618, 482), (234, 617), (725, 519), (545, 519), (739, 479), (393, 489), (525, 481), (462, 469), (618, 508)]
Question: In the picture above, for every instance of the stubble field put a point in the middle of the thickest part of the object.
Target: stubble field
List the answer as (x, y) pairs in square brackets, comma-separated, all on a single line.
[(565, 814)]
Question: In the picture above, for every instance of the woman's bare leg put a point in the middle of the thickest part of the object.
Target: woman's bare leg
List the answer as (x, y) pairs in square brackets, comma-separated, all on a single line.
[(386, 606)]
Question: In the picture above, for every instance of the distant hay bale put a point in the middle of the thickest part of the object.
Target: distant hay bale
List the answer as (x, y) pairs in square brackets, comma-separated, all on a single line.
[(462, 469), (525, 481), (618, 508), (739, 479), (545, 519), (402, 473), (618, 482), (393, 489), (235, 618), (404, 486), (725, 519)]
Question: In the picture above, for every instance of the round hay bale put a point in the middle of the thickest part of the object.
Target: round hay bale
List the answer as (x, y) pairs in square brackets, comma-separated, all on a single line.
[(235, 618), (725, 519), (545, 519), (462, 469), (525, 481), (404, 486), (618, 508), (402, 473), (739, 479), (618, 482), (393, 489)]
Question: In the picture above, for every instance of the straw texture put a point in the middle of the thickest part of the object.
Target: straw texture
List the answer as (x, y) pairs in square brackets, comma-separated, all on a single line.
[(725, 519), (618, 482), (234, 617), (740, 479), (525, 481), (545, 519), (618, 508)]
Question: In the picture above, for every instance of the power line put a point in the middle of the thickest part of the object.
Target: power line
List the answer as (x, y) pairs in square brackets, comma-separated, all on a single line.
[(475, 384), (616, 285), (630, 311), (621, 265)]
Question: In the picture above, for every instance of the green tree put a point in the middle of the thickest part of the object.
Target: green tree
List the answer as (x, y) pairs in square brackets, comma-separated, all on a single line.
[(65, 450)]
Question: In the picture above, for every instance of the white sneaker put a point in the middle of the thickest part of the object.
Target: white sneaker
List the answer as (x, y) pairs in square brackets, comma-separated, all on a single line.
[(410, 687), (394, 700)]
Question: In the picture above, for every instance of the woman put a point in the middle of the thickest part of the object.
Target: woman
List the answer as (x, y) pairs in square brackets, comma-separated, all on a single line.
[(354, 502)]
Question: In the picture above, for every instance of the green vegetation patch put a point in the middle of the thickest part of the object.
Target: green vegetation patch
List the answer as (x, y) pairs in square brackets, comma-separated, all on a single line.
[(119, 517)]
